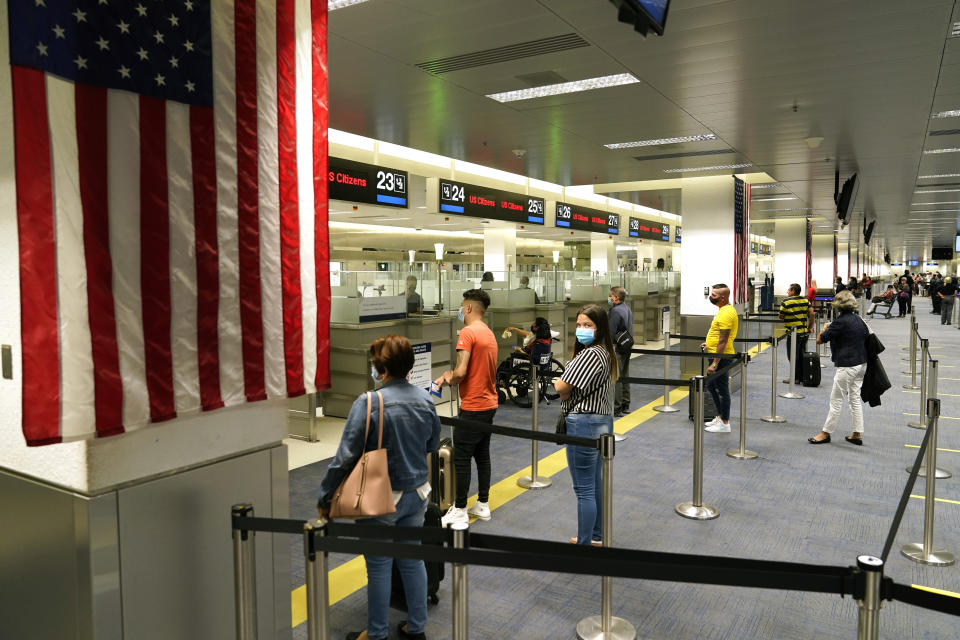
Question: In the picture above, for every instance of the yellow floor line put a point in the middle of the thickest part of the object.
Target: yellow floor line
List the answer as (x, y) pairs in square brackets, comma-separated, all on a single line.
[(941, 417), (942, 592), (916, 446), (937, 499)]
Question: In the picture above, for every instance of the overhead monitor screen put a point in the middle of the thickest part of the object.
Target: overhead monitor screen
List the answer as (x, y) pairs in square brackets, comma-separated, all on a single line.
[(677, 237), (573, 216), (957, 247), (360, 182), (646, 229), (645, 15), (483, 202)]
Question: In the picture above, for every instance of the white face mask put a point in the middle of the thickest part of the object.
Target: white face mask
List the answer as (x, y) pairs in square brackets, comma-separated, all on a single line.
[(374, 374)]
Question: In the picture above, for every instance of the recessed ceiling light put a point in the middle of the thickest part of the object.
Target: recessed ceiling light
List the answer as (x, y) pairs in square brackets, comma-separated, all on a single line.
[(954, 113), (944, 202), (940, 175), (333, 5), (771, 199), (945, 150), (938, 191), (716, 168), (565, 87), (790, 209), (651, 143)]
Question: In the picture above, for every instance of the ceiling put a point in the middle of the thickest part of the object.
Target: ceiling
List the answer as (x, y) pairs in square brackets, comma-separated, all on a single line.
[(762, 75)]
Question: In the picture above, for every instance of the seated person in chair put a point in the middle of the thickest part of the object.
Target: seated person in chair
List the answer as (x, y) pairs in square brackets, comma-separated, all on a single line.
[(539, 333)]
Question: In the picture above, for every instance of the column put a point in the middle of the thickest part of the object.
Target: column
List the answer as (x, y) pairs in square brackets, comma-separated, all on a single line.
[(603, 253), (499, 251), (790, 258), (707, 256)]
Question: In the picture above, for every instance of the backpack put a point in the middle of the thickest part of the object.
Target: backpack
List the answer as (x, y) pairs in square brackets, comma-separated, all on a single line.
[(623, 342)]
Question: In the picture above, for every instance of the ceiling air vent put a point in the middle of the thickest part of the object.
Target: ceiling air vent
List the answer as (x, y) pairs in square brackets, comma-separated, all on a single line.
[(689, 154), (553, 44)]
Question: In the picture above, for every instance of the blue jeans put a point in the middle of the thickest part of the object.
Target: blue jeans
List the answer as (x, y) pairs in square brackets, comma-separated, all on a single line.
[(719, 388), (585, 465), (409, 513)]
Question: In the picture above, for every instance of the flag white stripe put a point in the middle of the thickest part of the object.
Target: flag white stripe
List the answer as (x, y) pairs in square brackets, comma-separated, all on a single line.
[(183, 262), (123, 181), (271, 283), (304, 101), (225, 125), (77, 415)]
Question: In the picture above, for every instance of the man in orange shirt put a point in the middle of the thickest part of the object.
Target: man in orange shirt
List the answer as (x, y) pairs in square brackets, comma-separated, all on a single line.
[(475, 376)]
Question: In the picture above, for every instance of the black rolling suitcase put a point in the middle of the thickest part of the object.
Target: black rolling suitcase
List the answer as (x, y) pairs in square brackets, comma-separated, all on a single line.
[(811, 369), (709, 408), (435, 570)]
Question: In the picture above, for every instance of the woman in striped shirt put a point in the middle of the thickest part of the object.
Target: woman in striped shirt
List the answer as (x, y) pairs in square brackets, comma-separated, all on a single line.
[(586, 390)]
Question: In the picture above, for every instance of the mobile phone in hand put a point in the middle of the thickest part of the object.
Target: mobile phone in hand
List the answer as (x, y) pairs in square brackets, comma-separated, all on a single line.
[(435, 389)]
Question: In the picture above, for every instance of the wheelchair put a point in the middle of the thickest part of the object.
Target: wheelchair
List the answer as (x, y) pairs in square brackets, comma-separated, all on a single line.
[(515, 379)]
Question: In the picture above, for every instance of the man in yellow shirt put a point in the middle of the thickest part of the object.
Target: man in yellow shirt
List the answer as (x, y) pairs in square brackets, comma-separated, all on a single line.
[(720, 338)]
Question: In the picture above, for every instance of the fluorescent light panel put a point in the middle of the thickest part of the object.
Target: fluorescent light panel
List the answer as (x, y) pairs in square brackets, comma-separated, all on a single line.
[(772, 199), (944, 202), (768, 185), (940, 175), (939, 191), (944, 150), (576, 86), (333, 5), (954, 113), (715, 168), (652, 143)]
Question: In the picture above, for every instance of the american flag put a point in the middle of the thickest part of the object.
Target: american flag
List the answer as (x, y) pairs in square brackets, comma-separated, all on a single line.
[(741, 239), (171, 206)]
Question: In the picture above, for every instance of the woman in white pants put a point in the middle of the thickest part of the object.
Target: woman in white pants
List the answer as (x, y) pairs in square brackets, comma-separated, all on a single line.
[(847, 336)]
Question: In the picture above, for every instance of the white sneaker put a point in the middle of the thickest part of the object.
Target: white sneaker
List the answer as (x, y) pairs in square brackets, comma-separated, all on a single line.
[(716, 420), (480, 510), (718, 428), (454, 515)]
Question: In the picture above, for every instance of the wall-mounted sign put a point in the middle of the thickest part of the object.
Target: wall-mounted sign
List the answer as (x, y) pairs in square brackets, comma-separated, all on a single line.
[(640, 228), (676, 234), (382, 308), (360, 182), (573, 216), (484, 202)]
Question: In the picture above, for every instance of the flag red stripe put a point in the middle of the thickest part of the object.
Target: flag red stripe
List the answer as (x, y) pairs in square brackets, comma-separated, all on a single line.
[(251, 319), (38, 259), (289, 198), (318, 13), (204, 162), (91, 118), (155, 258)]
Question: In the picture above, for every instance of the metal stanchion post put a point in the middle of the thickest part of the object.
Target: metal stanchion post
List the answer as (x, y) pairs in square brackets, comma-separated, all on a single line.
[(666, 407), (773, 417), (606, 626), (318, 591), (913, 355), (931, 394), (696, 509), (868, 618), (822, 347), (534, 480), (923, 552), (743, 453), (244, 577), (792, 347), (461, 594), (921, 423)]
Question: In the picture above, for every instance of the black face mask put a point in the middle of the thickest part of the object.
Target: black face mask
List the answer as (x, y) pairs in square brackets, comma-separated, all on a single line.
[(715, 301)]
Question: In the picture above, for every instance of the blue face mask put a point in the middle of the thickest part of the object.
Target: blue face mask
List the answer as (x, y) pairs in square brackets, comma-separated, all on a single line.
[(374, 374), (460, 314), (585, 336)]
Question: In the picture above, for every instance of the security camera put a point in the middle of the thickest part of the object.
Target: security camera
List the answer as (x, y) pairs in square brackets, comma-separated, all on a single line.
[(519, 152)]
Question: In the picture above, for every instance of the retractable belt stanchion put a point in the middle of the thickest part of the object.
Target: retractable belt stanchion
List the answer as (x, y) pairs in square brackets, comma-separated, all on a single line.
[(534, 481), (921, 423), (606, 626), (913, 327), (666, 407), (913, 355), (244, 577), (461, 593), (821, 347), (773, 417), (923, 552), (743, 453), (868, 617), (318, 590), (791, 394), (696, 509), (931, 393)]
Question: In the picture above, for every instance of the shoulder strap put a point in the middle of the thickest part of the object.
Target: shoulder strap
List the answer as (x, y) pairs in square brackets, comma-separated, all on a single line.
[(366, 432), (380, 421)]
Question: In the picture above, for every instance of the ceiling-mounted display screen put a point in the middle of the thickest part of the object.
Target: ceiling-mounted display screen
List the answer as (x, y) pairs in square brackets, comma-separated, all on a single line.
[(360, 182), (483, 202), (648, 230), (644, 14), (676, 235), (573, 216)]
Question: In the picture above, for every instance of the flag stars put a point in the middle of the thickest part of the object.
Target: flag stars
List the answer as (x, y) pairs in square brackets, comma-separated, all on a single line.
[(124, 27), (142, 53), (124, 72), (188, 45), (188, 4), (103, 44), (59, 32), (158, 37), (41, 3), (160, 80), (141, 10), (41, 49), (81, 62), (190, 87), (81, 16), (174, 21), (174, 62)]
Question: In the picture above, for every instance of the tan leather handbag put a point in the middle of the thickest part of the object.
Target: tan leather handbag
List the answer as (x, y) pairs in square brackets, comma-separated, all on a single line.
[(366, 492)]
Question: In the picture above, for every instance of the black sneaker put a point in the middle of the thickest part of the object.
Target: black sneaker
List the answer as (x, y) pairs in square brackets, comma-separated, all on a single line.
[(404, 635)]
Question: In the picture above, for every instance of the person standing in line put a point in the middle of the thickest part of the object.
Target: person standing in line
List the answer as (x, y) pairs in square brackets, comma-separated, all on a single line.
[(621, 319), (584, 389), (411, 429), (796, 312), (475, 375), (847, 336), (934, 287), (947, 294), (720, 337), (812, 292), (838, 286), (866, 283), (904, 295)]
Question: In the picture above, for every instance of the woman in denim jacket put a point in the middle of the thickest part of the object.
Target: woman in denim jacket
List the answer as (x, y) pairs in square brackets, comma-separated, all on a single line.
[(411, 429)]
